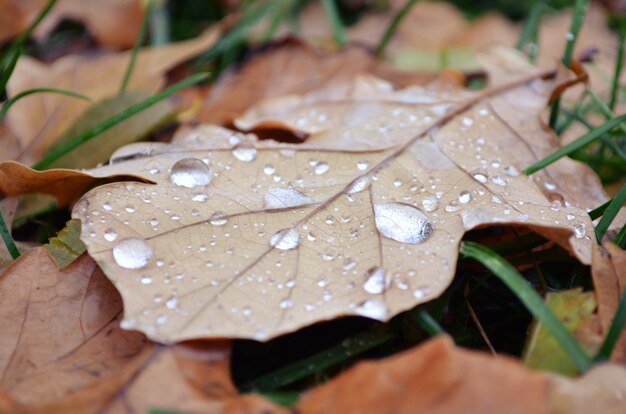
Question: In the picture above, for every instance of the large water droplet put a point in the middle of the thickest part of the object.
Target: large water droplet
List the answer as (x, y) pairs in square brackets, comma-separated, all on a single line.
[(132, 253), (430, 203), (190, 173), (285, 197), (110, 235), (465, 197), (321, 168), (285, 239), (372, 308), (360, 184), (219, 218), (245, 152), (402, 223), (376, 281)]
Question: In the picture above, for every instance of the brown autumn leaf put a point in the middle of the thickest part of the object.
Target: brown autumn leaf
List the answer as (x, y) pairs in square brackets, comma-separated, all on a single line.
[(37, 120), (113, 23), (254, 239), (63, 350), (608, 270), (290, 67), (437, 377)]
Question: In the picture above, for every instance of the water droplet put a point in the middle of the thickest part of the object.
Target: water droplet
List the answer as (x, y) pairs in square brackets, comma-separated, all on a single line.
[(372, 308), (288, 153), (130, 208), (362, 165), (110, 235), (549, 186), (397, 182), (201, 198), (579, 230), (570, 217), (285, 239), (465, 197), (172, 302), (430, 203), (361, 183), (481, 178), (107, 206), (219, 218), (286, 304), (421, 292), (452, 206), (269, 169), (498, 180), (511, 171), (321, 168), (349, 264), (132, 253), (285, 197), (468, 122), (245, 153), (402, 223), (161, 319), (376, 281), (146, 279), (190, 173)]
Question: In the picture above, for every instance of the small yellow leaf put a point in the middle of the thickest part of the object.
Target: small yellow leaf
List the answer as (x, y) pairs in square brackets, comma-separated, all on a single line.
[(66, 246)]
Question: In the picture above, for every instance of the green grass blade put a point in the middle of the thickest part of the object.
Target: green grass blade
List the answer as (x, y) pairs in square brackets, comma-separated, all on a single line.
[(598, 211), (9, 60), (615, 330), (393, 26), (610, 212), (620, 240), (114, 120), (427, 322), (580, 10), (138, 42), (619, 61), (8, 239), (332, 13), (576, 115), (10, 102), (531, 28), (303, 368), (530, 298), (575, 145)]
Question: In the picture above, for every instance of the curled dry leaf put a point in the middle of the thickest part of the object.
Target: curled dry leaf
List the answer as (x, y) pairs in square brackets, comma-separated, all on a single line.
[(608, 270), (38, 120), (63, 350), (254, 239)]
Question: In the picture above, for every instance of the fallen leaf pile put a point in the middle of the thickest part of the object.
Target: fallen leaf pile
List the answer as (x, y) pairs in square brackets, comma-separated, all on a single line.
[(310, 186)]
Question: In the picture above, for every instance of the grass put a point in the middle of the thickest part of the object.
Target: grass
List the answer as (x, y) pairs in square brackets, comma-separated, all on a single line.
[(504, 300)]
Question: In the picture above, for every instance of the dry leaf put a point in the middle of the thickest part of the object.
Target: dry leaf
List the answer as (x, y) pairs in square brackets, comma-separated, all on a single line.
[(113, 23), (433, 378), (609, 279), (37, 120), (290, 67), (63, 351), (246, 239)]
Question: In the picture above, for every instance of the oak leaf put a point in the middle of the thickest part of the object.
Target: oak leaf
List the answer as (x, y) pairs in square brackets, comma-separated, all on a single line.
[(241, 238)]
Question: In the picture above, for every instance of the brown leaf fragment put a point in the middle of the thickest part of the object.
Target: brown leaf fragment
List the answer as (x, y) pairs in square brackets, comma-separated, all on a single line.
[(608, 270), (433, 378), (62, 350), (290, 67), (66, 185)]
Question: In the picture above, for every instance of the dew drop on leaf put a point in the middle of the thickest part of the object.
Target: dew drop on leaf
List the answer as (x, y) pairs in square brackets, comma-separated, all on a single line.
[(132, 253), (360, 184), (430, 203), (190, 173), (285, 197), (465, 197), (219, 218), (372, 308), (376, 281), (402, 223), (110, 235), (245, 153), (321, 168), (285, 239)]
